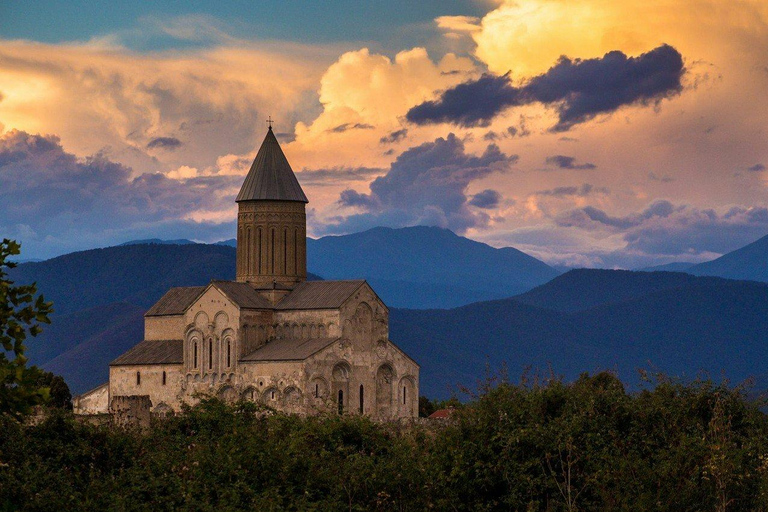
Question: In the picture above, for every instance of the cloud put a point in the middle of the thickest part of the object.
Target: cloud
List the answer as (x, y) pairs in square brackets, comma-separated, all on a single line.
[(351, 126), (661, 178), (169, 143), (582, 191), (665, 229), (568, 162), (394, 136), (488, 198), (458, 23), (56, 201), (426, 185), (756, 168), (578, 89), (336, 175)]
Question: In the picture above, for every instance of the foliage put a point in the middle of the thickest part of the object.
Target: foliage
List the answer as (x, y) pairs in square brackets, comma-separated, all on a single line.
[(21, 314), (548, 446)]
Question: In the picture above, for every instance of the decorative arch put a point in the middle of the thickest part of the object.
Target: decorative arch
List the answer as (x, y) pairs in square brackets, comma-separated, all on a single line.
[(385, 377), (292, 399), (251, 394), (271, 396), (227, 394), (341, 371), (318, 388), (201, 321)]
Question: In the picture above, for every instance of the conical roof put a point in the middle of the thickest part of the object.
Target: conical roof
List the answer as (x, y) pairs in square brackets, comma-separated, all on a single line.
[(271, 177)]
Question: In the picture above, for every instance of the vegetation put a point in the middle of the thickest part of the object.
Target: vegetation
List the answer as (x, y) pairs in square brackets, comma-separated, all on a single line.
[(587, 445), (21, 314)]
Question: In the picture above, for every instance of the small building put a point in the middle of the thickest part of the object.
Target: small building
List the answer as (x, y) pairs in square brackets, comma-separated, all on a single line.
[(270, 336)]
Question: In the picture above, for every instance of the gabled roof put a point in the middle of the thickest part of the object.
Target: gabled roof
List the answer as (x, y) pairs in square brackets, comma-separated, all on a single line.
[(242, 294), (271, 177), (175, 301), (153, 352), (288, 350), (320, 294)]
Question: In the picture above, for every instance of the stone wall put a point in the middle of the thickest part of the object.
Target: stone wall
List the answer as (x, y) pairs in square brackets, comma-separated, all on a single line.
[(131, 411), (95, 401)]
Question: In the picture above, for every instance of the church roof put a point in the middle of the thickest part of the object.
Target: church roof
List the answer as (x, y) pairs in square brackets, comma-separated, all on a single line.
[(271, 176), (243, 295), (288, 350), (320, 294), (153, 352), (175, 301)]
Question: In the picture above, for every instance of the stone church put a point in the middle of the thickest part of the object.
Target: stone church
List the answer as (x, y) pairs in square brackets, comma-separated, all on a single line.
[(270, 336)]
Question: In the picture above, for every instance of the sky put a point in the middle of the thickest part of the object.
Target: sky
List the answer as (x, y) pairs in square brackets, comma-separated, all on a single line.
[(598, 133)]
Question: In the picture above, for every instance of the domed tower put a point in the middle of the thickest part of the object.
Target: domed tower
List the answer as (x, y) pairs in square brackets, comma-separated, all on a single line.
[(271, 222)]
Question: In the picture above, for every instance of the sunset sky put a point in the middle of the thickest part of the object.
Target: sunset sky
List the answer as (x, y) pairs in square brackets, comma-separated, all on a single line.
[(601, 133)]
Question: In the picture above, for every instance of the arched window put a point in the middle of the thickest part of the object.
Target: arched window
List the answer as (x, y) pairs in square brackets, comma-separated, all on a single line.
[(295, 251), (164, 378), (229, 353), (195, 355), (317, 390), (361, 399), (210, 354), (138, 378), (341, 401), (404, 394), (272, 395), (285, 251)]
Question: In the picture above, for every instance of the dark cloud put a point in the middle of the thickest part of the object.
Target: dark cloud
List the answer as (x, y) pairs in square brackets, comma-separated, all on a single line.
[(663, 178), (756, 168), (351, 126), (59, 202), (170, 143), (395, 136), (488, 198), (425, 185), (491, 136), (665, 229), (578, 89), (333, 176), (568, 162), (582, 191)]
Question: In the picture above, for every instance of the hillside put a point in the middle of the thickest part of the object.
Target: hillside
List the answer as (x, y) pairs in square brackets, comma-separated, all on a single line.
[(716, 325), (749, 263), (426, 267)]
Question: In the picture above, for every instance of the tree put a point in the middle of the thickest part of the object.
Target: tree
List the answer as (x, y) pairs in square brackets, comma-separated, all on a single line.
[(21, 313)]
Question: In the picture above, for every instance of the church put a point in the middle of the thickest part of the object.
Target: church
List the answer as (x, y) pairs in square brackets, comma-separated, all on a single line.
[(271, 336)]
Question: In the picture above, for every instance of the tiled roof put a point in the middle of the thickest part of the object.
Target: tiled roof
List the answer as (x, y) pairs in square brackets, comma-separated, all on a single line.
[(320, 294), (288, 350), (442, 413), (153, 352), (271, 176), (243, 295), (175, 301)]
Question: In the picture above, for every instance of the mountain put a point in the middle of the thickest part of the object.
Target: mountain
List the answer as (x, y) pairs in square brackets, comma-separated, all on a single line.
[(677, 266), (749, 262), (676, 324), (180, 241), (426, 267)]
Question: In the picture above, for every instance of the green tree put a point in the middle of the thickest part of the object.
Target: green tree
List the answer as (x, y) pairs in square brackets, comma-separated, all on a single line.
[(21, 313)]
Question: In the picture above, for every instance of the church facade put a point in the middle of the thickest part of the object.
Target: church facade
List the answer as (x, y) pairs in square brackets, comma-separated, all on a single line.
[(270, 336)]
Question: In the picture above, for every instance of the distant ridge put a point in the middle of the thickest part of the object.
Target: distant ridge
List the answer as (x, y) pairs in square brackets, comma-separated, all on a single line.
[(750, 262), (180, 241)]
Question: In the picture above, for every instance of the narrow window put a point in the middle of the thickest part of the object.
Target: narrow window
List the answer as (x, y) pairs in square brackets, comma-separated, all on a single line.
[(229, 353), (295, 251), (361, 399), (248, 263), (164, 378), (404, 395), (258, 255), (341, 402), (272, 245), (210, 354), (317, 391), (273, 394), (195, 354), (138, 378), (285, 251)]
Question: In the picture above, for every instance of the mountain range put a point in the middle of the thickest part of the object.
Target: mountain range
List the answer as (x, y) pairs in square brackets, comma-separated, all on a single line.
[(583, 320)]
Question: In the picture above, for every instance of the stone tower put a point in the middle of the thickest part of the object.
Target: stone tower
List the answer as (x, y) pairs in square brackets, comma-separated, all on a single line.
[(271, 222)]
